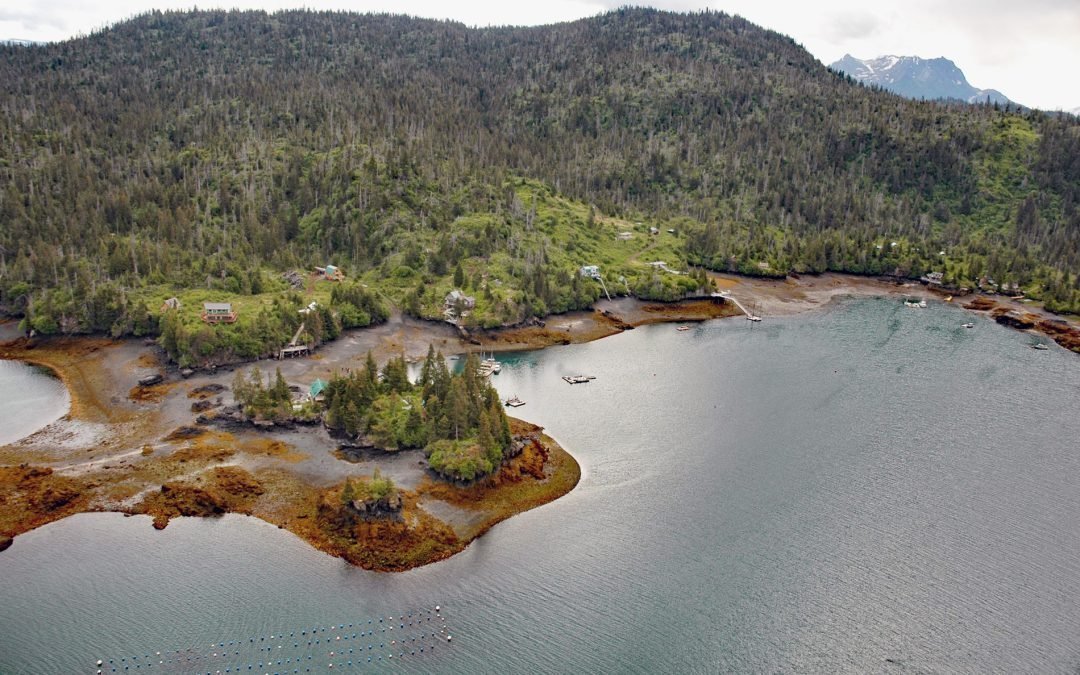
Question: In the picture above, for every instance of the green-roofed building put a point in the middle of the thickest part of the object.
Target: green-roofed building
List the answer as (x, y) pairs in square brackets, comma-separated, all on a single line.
[(316, 389)]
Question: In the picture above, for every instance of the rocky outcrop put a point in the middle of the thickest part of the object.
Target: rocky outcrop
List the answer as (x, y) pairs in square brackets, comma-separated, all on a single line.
[(1014, 318), (980, 304), (5, 542), (615, 321), (1063, 333), (207, 391), (374, 508), (226, 489), (521, 441), (202, 406)]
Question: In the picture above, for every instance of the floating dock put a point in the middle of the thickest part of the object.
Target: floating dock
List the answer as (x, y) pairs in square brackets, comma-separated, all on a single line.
[(578, 379), (514, 402)]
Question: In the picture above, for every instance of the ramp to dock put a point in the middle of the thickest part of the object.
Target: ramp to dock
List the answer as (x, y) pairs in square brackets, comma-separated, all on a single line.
[(750, 316)]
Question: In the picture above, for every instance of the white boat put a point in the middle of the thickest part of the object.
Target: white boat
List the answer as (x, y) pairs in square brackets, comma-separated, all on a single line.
[(514, 402), (915, 303), (968, 325), (682, 328), (1039, 345), (488, 365)]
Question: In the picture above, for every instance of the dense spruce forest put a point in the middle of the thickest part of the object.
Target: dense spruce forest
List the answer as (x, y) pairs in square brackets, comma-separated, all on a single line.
[(213, 151)]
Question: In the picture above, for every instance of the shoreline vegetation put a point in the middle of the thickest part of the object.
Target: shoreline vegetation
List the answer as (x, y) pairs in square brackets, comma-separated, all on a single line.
[(114, 451)]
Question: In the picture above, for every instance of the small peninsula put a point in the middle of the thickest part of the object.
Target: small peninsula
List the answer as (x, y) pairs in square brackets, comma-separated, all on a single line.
[(186, 446)]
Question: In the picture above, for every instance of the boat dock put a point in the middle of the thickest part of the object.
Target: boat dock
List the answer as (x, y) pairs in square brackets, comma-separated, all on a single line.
[(294, 350), (578, 379)]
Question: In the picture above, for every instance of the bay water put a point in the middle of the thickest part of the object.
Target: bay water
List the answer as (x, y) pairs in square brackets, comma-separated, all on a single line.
[(869, 488), (31, 397)]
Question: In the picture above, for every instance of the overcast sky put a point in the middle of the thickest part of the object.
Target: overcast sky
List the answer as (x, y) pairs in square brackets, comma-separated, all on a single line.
[(1027, 49)]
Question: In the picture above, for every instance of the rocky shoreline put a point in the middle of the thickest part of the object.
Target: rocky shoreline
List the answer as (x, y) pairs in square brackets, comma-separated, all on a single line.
[(286, 477), (142, 451)]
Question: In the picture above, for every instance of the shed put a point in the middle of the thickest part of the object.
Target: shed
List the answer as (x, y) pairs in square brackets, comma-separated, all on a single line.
[(331, 273), (316, 389)]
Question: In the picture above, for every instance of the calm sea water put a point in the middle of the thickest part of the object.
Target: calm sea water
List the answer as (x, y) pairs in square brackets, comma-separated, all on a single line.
[(867, 489), (30, 398)]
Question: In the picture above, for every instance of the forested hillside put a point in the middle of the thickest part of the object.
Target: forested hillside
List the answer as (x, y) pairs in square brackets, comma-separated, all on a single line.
[(216, 150)]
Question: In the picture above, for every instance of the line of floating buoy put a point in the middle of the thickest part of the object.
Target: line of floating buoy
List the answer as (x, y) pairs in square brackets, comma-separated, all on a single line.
[(225, 651)]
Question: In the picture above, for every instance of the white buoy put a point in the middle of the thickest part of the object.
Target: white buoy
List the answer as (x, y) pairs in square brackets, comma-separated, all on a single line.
[(436, 608), (449, 637), (99, 662)]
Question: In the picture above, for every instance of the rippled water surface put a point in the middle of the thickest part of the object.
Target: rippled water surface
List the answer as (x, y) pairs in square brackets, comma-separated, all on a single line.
[(30, 398), (868, 489)]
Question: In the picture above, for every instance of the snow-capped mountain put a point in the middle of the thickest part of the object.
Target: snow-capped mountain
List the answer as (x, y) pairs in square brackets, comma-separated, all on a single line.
[(914, 77)]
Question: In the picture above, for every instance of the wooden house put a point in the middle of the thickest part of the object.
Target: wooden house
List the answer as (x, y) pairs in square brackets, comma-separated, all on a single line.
[(218, 312), (456, 298), (591, 271)]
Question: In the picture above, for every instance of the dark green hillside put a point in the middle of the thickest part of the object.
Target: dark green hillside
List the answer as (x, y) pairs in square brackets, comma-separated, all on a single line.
[(215, 150)]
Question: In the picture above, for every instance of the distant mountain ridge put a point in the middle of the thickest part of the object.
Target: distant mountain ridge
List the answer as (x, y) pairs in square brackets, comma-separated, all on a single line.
[(917, 78), (417, 155)]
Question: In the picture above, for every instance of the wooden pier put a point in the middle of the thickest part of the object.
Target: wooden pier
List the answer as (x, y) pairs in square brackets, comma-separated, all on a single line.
[(292, 349), (750, 316)]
